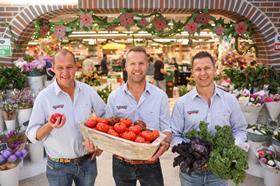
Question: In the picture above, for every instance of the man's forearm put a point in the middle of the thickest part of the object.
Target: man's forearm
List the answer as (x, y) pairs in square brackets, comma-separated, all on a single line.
[(43, 131)]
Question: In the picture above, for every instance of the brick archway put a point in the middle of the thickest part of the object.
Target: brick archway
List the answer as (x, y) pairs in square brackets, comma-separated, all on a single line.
[(22, 24)]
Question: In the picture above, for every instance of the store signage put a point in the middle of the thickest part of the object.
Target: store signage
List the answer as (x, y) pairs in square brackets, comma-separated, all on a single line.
[(277, 42), (5, 47)]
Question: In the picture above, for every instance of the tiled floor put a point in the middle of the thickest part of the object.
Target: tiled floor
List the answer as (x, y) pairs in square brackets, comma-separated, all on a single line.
[(105, 178)]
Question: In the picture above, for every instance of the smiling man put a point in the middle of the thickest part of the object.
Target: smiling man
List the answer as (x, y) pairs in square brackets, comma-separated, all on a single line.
[(68, 160), (139, 100), (210, 104)]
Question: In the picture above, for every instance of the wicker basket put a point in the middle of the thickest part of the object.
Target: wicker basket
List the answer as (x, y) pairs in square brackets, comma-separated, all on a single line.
[(122, 147)]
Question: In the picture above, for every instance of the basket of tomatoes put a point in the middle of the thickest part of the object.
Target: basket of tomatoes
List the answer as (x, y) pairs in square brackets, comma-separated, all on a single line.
[(122, 137)]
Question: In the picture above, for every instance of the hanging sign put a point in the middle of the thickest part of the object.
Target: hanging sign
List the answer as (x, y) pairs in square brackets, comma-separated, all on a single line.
[(5, 47), (277, 42)]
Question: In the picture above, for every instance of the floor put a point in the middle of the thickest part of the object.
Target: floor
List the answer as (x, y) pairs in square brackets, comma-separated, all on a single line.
[(105, 168)]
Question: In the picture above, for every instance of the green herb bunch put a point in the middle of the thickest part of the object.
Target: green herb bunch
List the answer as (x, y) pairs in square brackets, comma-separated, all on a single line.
[(226, 160)]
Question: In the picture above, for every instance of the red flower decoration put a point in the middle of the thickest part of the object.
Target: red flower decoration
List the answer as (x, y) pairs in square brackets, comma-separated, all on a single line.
[(126, 19), (59, 31), (44, 30), (159, 23), (143, 22), (86, 20), (191, 27), (219, 30), (202, 18), (241, 28)]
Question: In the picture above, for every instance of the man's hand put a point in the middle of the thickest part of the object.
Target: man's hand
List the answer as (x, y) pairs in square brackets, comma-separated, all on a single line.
[(59, 122), (164, 146), (92, 148)]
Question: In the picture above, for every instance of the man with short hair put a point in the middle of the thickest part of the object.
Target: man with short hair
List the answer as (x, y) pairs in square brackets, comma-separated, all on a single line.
[(68, 160), (139, 100), (206, 102)]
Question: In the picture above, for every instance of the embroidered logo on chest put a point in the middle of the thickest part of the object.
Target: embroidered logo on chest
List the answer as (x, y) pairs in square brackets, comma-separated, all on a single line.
[(121, 107), (193, 112), (58, 106)]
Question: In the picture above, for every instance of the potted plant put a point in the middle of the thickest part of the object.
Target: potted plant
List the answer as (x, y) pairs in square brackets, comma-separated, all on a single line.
[(9, 110), (34, 71), (12, 153), (251, 104), (12, 77), (25, 103)]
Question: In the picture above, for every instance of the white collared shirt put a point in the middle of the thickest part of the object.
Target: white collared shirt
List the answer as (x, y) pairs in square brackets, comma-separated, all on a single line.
[(191, 108), (64, 142), (152, 107)]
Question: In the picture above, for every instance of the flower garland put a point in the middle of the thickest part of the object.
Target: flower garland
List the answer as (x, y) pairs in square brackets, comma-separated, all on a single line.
[(155, 23)]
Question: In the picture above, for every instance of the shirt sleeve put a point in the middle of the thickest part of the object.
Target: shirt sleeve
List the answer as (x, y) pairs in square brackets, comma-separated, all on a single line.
[(98, 105), (238, 122), (177, 123), (37, 119), (110, 107), (164, 117)]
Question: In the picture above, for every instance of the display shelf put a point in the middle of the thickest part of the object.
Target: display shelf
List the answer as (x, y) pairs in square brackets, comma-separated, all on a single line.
[(30, 169)]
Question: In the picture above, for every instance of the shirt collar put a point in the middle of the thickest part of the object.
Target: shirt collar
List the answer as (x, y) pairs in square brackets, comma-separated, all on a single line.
[(148, 88), (217, 91), (57, 89)]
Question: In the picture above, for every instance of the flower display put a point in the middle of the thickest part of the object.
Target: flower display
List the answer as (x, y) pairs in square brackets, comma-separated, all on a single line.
[(34, 68), (219, 30), (126, 19), (267, 157), (60, 31), (44, 30), (15, 152), (240, 28), (191, 27), (202, 18), (159, 23), (143, 22), (86, 20), (232, 59), (154, 23), (9, 105), (24, 98)]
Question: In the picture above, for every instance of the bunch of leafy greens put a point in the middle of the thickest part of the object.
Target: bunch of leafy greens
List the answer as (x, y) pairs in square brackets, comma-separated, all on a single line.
[(226, 160)]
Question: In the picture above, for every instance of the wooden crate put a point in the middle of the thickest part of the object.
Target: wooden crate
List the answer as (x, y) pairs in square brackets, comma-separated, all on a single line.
[(122, 147)]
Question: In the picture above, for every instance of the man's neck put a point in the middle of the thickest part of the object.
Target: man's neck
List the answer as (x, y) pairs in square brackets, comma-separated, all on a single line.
[(206, 92), (69, 90), (136, 89)]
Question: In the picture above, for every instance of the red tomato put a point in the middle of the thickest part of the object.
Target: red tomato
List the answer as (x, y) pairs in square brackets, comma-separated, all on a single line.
[(126, 121), (140, 139), (155, 134), (55, 117), (129, 135), (135, 128), (120, 127), (147, 135), (91, 123), (102, 120), (102, 127), (113, 132)]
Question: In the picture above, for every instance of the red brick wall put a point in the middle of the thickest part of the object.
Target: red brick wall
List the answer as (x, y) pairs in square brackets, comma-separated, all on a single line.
[(271, 8), (267, 24)]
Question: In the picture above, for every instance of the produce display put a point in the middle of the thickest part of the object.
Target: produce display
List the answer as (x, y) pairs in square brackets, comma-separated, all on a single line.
[(213, 152), (259, 129), (123, 128), (122, 137)]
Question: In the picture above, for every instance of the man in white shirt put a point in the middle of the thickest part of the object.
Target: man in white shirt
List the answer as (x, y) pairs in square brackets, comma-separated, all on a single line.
[(68, 160)]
